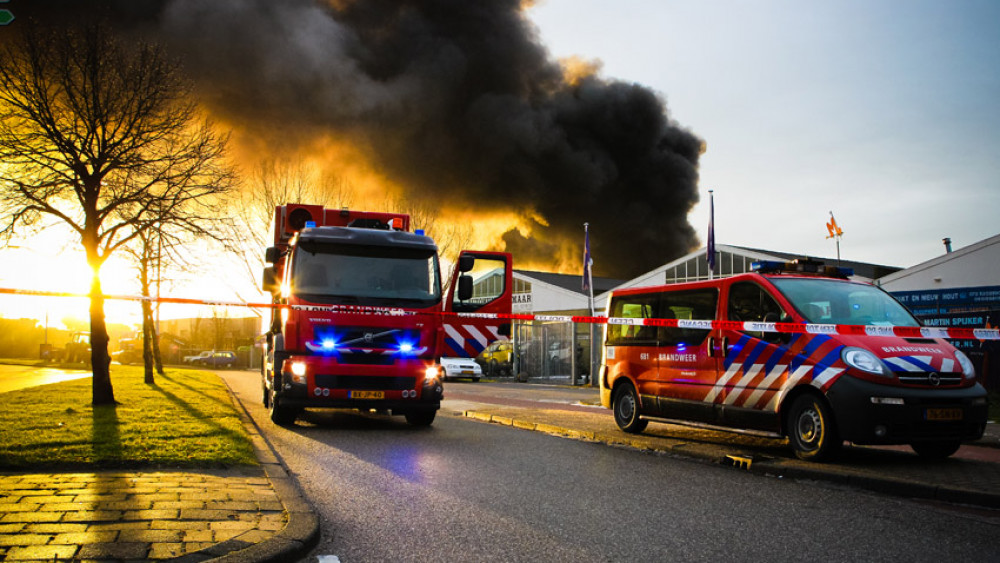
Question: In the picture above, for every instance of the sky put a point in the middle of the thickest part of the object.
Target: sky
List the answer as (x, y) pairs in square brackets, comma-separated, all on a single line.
[(885, 113)]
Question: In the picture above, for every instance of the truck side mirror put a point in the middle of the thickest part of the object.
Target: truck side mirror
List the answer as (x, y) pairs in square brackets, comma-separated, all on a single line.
[(272, 254), (464, 288), (504, 330), (270, 283), (465, 262)]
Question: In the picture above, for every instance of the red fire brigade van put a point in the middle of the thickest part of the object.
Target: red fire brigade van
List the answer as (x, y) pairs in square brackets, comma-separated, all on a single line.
[(815, 386)]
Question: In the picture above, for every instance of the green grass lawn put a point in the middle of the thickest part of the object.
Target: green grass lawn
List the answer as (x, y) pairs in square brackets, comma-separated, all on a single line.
[(185, 420)]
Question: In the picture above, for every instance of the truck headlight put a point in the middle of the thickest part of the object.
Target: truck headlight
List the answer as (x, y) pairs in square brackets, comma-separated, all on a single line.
[(432, 373), (298, 370), (861, 359)]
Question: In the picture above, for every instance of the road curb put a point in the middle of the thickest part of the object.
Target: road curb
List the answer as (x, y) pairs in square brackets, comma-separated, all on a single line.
[(300, 534), (762, 465)]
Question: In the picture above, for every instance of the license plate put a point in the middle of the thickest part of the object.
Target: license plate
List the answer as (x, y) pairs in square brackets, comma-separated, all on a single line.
[(467, 372), (944, 414), (366, 394)]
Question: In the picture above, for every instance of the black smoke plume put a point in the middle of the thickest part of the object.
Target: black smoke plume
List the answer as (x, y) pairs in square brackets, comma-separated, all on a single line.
[(455, 100)]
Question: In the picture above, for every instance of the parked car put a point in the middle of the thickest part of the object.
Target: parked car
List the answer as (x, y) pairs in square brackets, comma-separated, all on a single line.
[(495, 359), (196, 359), (224, 359), (459, 368)]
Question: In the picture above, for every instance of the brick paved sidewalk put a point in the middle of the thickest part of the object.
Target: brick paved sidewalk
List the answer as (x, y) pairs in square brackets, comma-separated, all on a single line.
[(121, 515)]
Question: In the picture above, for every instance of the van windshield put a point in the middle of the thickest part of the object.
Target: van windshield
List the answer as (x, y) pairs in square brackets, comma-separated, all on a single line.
[(825, 301), (366, 275)]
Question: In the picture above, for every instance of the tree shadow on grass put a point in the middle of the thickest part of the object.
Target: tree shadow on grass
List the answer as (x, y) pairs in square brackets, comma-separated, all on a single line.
[(106, 434)]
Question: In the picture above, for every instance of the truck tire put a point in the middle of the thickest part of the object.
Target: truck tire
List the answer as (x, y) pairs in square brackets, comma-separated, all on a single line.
[(420, 418), (279, 414)]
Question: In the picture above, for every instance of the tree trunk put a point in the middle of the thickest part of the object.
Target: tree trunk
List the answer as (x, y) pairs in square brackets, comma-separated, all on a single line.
[(157, 358), (102, 391), (148, 335)]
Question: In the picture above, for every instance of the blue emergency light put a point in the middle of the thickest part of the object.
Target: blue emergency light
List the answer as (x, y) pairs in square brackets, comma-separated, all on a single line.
[(801, 266)]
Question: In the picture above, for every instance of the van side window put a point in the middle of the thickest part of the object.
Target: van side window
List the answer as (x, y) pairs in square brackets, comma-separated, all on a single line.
[(748, 302), (634, 307), (687, 305)]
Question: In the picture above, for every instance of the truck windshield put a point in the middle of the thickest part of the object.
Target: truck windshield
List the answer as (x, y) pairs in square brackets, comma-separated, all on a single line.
[(368, 275), (825, 301)]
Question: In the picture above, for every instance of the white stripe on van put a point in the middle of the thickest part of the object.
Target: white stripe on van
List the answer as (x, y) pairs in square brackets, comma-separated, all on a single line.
[(741, 385), (721, 383), (792, 381), (755, 397)]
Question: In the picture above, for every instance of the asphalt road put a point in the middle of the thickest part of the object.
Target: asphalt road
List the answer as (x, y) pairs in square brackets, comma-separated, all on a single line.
[(466, 491), (20, 377)]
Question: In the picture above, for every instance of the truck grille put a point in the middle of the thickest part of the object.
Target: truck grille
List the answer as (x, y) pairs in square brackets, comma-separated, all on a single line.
[(359, 337), (365, 382)]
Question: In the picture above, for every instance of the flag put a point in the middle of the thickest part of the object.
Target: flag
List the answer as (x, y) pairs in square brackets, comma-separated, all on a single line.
[(588, 262), (832, 228), (710, 251)]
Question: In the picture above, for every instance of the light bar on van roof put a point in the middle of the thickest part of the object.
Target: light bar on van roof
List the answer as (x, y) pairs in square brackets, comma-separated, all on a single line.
[(801, 266)]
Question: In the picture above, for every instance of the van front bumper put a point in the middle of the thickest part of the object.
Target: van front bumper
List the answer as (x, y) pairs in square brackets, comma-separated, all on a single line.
[(869, 413)]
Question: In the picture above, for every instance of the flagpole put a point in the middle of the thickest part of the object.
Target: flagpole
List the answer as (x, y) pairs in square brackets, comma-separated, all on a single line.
[(710, 250), (588, 281), (589, 270)]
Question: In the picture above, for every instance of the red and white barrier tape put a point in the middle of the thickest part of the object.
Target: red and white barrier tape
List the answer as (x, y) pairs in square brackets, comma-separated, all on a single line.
[(788, 328)]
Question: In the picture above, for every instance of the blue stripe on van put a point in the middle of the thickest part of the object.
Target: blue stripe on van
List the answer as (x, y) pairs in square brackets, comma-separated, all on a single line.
[(753, 355), (734, 350)]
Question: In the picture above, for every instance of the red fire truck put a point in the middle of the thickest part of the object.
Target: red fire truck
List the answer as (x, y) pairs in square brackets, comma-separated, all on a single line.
[(361, 321)]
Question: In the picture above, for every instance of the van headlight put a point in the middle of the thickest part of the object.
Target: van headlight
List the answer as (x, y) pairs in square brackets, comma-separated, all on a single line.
[(968, 370), (861, 359)]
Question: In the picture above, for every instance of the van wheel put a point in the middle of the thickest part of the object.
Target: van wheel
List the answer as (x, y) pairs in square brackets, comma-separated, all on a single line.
[(626, 408), (811, 430), (936, 450)]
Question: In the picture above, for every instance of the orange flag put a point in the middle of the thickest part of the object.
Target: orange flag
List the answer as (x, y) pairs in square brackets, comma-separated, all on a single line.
[(832, 227)]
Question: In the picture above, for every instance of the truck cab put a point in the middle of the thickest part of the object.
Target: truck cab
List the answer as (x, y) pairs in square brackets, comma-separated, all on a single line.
[(360, 319)]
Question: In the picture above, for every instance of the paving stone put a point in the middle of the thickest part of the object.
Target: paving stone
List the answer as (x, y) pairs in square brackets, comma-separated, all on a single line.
[(83, 538), (55, 528), (167, 550), (151, 514), (41, 552), (150, 536), (117, 550), (31, 517), (24, 539)]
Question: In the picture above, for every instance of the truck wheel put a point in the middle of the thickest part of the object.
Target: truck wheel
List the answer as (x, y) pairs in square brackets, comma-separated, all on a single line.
[(936, 450), (625, 405), (420, 418), (811, 430), (282, 416)]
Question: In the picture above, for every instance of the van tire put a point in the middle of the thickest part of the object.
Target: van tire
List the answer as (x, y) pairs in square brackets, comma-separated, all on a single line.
[(625, 405), (811, 430), (936, 450)]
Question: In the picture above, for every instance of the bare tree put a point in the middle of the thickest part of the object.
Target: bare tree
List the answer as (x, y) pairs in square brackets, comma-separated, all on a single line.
[(270, 184), (103, 136)]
